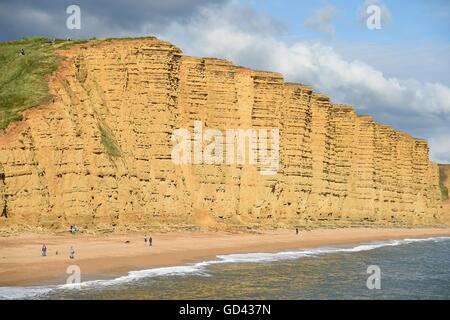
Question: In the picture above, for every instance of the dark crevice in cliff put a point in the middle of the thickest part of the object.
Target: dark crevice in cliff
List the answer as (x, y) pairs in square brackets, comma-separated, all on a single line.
[(4, 210)]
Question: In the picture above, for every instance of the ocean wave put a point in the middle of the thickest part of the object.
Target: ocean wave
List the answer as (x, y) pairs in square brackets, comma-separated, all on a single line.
[(200, 268)]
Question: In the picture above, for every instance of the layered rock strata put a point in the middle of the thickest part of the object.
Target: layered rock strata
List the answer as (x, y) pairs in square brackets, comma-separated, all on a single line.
[(99, 155)]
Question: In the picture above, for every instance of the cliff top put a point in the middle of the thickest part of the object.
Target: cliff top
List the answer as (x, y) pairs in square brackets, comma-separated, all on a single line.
[(26, 64)]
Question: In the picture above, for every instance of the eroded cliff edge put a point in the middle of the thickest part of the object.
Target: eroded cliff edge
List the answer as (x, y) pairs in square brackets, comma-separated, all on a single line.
[(99, 155)]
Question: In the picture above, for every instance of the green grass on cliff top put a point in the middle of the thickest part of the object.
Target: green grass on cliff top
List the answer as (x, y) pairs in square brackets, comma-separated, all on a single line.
[(23, 79)]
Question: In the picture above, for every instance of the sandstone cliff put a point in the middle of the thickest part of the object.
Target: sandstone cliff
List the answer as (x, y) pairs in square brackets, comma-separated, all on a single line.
[(99, 155), (444, 177)]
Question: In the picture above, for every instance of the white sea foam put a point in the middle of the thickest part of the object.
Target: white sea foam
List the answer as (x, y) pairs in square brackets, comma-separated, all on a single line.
[(200, 268), (8, 293)]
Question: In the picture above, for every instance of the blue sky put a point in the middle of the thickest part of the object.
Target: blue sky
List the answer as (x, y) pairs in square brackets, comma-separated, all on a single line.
[(416, 27), (414, 22), (400, 74)]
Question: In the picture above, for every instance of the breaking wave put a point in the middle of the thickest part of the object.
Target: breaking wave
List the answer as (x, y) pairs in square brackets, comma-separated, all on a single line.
[(201, 268)]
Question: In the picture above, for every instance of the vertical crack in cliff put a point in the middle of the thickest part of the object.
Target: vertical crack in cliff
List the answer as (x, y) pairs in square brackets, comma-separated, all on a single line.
[(3, 197)]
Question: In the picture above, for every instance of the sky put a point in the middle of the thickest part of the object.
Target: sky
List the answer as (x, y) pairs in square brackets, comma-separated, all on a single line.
[(399, 74)]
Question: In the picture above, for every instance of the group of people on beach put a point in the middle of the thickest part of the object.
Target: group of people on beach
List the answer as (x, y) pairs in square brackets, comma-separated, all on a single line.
[(73, 229), (71, 251), (148, 240)]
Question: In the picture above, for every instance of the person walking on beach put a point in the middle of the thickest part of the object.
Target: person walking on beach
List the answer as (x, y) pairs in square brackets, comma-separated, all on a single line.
[(150, 241), (296, 230), (145, 239), (72, 253), (44, 250)]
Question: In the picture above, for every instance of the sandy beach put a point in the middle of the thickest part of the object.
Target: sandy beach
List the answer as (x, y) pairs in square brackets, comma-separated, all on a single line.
[(111, 255)]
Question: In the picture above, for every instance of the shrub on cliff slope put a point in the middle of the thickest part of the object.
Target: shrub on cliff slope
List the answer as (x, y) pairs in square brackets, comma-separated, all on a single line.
[(108, 141), (23, 78)]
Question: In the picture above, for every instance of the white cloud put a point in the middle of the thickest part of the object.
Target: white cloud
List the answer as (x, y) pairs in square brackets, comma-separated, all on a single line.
[(322, 20), (439, 148), (408, 104), (229, 29), (431, 62)]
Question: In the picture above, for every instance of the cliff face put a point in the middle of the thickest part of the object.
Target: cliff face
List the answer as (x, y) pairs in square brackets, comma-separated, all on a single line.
[(444, 184), (99, 155)]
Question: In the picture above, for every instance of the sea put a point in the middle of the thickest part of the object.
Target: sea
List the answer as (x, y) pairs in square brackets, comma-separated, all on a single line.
[(392, 269)]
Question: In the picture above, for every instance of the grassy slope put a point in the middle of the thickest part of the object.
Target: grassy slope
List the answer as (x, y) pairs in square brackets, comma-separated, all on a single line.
[(23, 79), (108, 141)]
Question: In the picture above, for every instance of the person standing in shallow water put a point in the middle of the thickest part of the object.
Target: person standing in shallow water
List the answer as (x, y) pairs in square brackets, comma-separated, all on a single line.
[(72, 253), (44, 250)]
